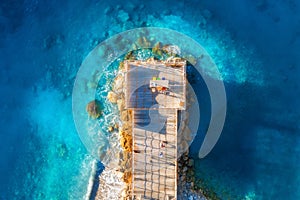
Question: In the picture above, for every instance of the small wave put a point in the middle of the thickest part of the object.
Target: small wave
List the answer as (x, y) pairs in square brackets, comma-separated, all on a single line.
[(91, 181)]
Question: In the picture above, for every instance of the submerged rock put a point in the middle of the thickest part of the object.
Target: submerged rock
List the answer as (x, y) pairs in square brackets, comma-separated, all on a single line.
[(207, 14), (108, 10), (123, 16), (92, 85), (143, 42), (94, 109), (191, 162), (157, 49), (262, 5), (53, 40), (62, 150)]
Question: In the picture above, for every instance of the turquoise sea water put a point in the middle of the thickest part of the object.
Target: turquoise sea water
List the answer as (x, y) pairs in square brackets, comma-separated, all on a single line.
[(255, 44)]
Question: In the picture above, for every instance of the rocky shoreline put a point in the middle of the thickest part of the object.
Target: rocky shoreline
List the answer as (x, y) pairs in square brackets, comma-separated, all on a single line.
[(117, 96)]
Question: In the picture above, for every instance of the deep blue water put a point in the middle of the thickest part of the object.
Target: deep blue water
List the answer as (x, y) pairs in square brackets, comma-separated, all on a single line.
[(255, 44)]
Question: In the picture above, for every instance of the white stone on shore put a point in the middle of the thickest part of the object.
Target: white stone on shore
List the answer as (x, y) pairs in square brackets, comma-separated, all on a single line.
[(112, 97), (124, 115), (110, 185), (121, 104), (172, 49), (118, 84)]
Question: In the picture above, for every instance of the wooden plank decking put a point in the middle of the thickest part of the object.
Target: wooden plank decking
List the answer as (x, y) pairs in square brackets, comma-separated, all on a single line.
[(155, 176), (137, 79)]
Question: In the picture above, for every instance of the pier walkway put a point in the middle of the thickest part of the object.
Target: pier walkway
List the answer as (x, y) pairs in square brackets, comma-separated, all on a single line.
[(154, 126)]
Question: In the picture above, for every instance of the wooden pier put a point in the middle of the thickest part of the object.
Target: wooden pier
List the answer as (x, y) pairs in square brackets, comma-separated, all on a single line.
[(155, 110)]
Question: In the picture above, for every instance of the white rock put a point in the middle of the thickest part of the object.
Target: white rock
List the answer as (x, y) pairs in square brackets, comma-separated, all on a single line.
[(118, 85), (112, 97), (121, 104)]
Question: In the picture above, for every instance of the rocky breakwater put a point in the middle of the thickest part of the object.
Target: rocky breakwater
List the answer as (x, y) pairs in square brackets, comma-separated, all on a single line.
[(187, 187), (117, 96)]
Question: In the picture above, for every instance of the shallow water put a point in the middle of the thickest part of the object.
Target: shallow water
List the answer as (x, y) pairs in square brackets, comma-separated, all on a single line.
[(255, 44)]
